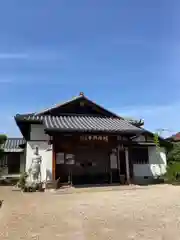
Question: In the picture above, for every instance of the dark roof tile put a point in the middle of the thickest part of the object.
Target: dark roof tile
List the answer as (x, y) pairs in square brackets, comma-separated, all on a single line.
[(12, 145), (81, 123), (88, 124), (175, 137)]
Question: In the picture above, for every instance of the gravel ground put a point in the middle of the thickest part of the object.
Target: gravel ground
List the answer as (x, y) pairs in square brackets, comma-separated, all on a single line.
[(151, 212)]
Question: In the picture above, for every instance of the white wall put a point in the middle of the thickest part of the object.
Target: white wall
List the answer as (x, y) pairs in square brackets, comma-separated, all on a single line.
[(40, 139), (157, 164), (45, 150), (37, 133)]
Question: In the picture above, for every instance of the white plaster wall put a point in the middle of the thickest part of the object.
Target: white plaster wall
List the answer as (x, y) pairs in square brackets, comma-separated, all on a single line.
[(45, 150), (157, 164), (37, 133)]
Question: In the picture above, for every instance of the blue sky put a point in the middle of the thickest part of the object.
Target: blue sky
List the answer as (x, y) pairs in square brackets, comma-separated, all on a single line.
[(123, 54)]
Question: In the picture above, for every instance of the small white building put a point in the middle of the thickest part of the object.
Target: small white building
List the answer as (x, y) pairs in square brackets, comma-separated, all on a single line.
[(83, 143), (13, 162)]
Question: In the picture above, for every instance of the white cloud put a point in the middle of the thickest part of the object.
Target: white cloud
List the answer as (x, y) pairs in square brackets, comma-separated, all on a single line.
[(6, 80), (10, 56), (33, 55)]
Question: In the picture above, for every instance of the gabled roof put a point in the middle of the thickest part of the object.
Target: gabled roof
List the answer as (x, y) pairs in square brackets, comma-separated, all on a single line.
[(81, 96), (13, 145), (98, 116), (77, 98)]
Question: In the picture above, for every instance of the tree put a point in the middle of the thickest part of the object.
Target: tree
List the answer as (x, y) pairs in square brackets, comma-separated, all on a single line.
[(174, 153), (173, 160), (2, 140)]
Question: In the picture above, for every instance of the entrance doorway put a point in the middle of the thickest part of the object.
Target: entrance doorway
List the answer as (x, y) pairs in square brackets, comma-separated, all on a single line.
[(62, 171), (13, 162), (91, 167)]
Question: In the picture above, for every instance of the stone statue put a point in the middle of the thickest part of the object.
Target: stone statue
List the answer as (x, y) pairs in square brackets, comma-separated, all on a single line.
[(35, 169)]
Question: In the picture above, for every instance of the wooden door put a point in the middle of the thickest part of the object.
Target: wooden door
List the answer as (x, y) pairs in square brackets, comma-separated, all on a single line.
[(122, 159)]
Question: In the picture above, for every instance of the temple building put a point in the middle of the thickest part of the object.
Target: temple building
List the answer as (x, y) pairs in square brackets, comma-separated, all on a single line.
[(81, 142)]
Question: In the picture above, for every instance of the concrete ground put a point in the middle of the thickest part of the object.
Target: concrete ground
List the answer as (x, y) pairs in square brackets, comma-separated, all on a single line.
[(151, 212)]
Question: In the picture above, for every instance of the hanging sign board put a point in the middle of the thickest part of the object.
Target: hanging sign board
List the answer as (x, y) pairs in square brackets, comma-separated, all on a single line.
[(94, 138), (70, 162), (70, 159), (69, 156), (60, 158)]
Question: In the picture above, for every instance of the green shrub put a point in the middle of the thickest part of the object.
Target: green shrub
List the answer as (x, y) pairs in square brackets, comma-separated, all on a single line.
[(174, 153), (173, 172), (22, 180)]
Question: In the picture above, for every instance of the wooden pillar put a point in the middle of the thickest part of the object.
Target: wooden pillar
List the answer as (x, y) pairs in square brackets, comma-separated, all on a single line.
[(53, 161), (127, 164), (131, 164), (110, 171), (118, 161)]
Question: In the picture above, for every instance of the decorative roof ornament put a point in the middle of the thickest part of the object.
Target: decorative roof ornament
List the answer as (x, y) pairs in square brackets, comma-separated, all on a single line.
[(81, 94), (135, 122)]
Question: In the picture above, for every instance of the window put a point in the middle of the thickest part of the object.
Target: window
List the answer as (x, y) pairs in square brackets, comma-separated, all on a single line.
[(140, 155), (60, 158)]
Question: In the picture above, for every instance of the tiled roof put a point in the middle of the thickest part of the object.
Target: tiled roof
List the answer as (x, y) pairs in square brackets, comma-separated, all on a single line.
[(88, 124), (38, 116), (29, 117), (82, 123), (12, 145), (175, 137)]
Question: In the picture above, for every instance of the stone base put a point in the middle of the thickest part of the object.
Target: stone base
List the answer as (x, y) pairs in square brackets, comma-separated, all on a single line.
[(56, 184), (146, 180), (50, 185)]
